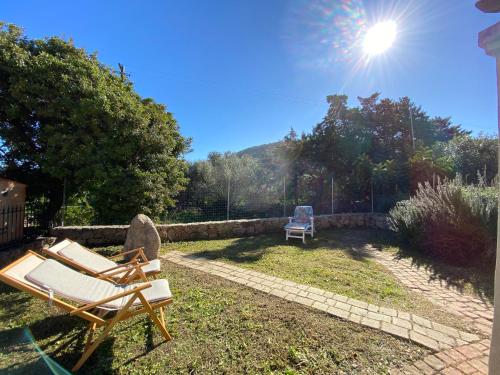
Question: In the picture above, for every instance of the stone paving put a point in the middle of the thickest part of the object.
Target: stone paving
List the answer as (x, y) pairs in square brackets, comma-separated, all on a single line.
[(430, 334), (465, 359), (421, 280)]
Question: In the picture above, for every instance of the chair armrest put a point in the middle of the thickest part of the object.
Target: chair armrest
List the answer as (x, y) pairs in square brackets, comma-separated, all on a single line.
[(290, 219), (133, 262), (108, 299), (139, 252)]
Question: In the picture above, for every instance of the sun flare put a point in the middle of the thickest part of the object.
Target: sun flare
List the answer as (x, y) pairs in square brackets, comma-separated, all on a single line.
[(379, 38)]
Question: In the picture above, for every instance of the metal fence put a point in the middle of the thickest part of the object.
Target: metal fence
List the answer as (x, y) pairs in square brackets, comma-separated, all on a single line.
[(20, 223), (227, 201), (236, 202)]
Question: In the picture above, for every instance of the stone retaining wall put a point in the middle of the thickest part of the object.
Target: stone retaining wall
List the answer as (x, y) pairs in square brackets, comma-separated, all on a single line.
[(9, 255), (115, 234)]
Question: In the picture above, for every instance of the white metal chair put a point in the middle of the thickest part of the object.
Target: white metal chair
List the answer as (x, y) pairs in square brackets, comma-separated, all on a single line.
[(301, 223)]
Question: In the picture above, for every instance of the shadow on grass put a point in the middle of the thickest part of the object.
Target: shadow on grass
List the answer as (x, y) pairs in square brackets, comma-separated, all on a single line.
[(358, 244), (60, 339), (19, 354), (252, 249), (60, 335), (361, 245), (243, 250), (64, 349), (480, 279)]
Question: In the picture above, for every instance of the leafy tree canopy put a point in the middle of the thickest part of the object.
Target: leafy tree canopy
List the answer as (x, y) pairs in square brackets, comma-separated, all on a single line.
[(367, 151), (470, 155), (66, 116)]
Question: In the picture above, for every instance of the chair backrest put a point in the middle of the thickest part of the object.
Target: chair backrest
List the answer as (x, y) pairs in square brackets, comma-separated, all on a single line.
[(15, 275), (79, 256), (75, 286), (18, 270), (303, 214)]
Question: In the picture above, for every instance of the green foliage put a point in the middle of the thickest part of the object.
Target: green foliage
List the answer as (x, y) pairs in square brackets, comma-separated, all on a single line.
[(364, 149), (471, 156), (66, 116), (78, 212), (368, 146), (206, 195), (426, 166), (453, 222)]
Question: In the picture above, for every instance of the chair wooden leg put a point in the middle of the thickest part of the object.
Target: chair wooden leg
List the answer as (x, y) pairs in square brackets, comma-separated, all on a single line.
[(162, 316), (90, 349), (143, 275), (154, 318), (138, 274), (91, 331), (125, 279)]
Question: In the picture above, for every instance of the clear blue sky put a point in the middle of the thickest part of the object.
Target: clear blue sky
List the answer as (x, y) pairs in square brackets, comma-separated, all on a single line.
[(240, 73)]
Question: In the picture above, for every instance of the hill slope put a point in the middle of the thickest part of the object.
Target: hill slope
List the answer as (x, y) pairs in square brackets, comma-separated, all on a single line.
[(260, 152)]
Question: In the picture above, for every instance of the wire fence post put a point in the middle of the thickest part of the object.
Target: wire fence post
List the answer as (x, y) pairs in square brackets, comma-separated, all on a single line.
[(371, 188), (64, 203), (332, 195), (227, 214), (411, 126), (284, 196)]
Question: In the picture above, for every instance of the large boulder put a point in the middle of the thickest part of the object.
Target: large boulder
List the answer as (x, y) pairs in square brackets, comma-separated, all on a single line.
[(142, 233)]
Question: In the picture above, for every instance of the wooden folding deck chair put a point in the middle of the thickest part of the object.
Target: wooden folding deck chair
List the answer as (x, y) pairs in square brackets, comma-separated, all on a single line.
[(91, 297), (83, 259)]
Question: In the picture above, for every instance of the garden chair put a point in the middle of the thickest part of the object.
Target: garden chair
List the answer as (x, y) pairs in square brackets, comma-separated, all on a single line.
[(88, 297), (83, 259), (301, 223)]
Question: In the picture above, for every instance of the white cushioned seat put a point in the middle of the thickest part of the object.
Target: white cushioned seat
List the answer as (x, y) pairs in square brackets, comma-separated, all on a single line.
[(79, 254), (20, 270), (153, 266), (93, 261), (68, 283), (58, 246), (297, 226)]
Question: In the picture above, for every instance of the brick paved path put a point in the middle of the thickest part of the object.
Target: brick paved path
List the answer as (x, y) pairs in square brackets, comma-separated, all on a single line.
[(465, 359), (398, 323), (420, 280)]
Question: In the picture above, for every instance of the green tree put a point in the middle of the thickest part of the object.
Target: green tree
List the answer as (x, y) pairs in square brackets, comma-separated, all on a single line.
[(64, 116), (363, 145), (427, 166), (471, 156), (250, 188)]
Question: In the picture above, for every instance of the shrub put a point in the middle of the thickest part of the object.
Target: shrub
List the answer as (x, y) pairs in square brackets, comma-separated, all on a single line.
[(453, 222), (78, 211), (187, 215)]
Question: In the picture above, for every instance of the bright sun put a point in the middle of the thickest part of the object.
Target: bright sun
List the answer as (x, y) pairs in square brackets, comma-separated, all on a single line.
[(379, 38)]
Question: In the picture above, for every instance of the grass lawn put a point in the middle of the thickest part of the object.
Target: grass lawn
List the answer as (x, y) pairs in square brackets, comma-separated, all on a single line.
[(333, 261), (218, 327)]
